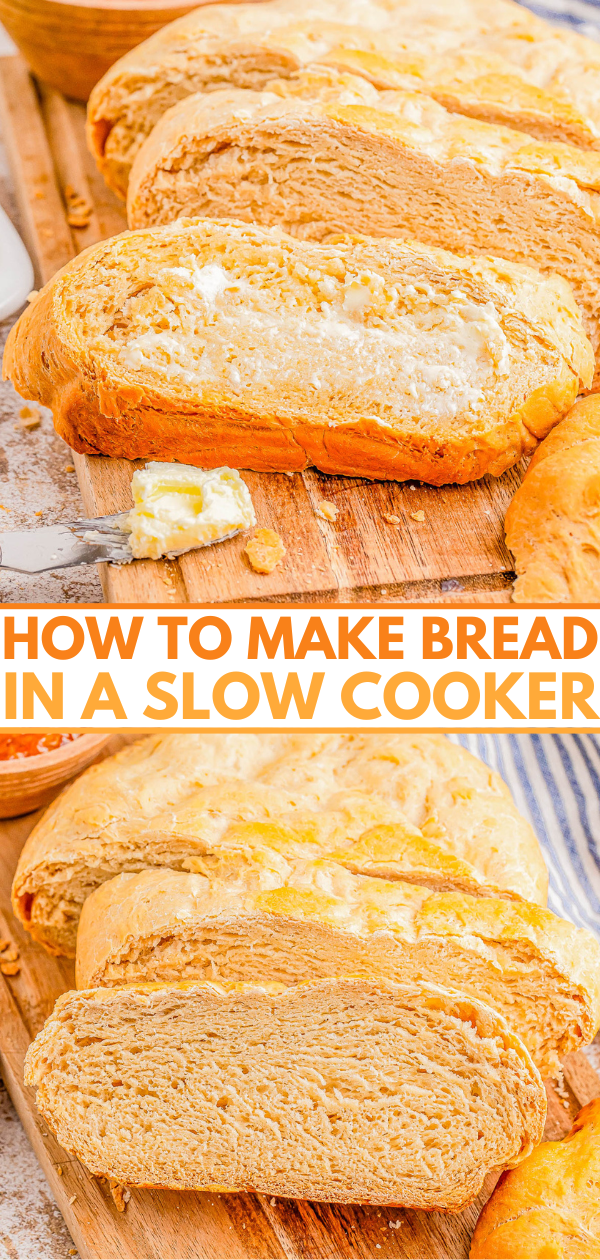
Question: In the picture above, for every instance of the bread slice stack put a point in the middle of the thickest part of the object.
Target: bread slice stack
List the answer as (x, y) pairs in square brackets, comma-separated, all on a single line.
[(223, 343), (499, 63), (316, 919), (328, 152), (245, 969)]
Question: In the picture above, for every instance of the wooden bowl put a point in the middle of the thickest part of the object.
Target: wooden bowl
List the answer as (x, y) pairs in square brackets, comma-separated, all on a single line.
[(27, 783), (70, 44)]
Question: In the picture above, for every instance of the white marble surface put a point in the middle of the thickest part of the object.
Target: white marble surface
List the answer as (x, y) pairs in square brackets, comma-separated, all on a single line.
[(31, 1226)]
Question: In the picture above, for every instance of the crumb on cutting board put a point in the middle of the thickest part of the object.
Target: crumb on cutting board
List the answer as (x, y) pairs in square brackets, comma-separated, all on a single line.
[(79, 209), (121, 1195), (327, 511), (417, 516), (29, 418), (264, 550), (391, 518), (9, 958)]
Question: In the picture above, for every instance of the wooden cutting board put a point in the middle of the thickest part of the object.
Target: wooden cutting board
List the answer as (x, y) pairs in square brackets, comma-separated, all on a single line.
[(166, 1225), (456, 553)]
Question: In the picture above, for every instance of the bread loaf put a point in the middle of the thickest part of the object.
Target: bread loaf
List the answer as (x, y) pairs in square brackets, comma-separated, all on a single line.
[(550, 1207), (465, 185), (553, 522), (318, 920), (349, 1090), (497, 62), (168, 801), (222, 343)]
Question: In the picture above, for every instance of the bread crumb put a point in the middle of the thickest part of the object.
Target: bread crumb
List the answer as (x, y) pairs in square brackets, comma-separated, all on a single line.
[(391, 518), (9, 954), (264, 550), (34, 292), (121, 1195), (327, 510), (273, 1202), (38, 513), (30, 418), (72, 1251), (10, 968), (73, 1198), (4, 944), (79, 210), (69, 468), (395, 1224), (59, 1170), (417, 516)]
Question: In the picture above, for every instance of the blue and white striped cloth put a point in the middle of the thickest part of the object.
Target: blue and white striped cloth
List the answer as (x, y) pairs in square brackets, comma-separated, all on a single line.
[(555, 783), (582, 15)]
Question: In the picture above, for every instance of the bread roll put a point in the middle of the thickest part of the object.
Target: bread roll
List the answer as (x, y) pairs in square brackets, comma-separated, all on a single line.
[(346, 1090), (497, 62), (549, 1208), (465, 185), (222, 343), (318, 920), (169, 801), (553, 522)]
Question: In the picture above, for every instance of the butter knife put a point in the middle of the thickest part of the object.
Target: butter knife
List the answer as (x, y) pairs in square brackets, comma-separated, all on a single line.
[(103, 538)]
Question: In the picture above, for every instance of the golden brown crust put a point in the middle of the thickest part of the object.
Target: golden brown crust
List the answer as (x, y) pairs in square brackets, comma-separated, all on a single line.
[(101, 406), (177, 800), (553, 522), (549, 1207)]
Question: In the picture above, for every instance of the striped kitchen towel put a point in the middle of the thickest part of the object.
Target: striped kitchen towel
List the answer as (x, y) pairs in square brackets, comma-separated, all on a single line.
[(555, 782), (582, 15)]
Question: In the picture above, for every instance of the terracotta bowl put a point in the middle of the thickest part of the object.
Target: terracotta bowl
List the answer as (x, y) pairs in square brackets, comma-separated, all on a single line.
[(27, 783), (70, 44)]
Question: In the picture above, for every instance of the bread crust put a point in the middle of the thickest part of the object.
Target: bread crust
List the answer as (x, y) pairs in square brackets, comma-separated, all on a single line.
[(501, 64), (550, 1207), (173, 800), (316, 917), (99, 406), (455, 1030), (553, 521)]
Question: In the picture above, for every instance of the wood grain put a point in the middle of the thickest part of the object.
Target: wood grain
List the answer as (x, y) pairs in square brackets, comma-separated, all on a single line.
[(165, 1225), (456, 552)]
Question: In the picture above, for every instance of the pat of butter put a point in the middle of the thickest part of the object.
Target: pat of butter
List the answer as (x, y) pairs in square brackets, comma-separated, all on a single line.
[(178, 507)]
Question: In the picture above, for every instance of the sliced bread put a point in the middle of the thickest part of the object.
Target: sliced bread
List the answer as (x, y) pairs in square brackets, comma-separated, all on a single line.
[(224, 343), (328, 152), (497, 62), (347, 1090), (318, 920), (170, 800)]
